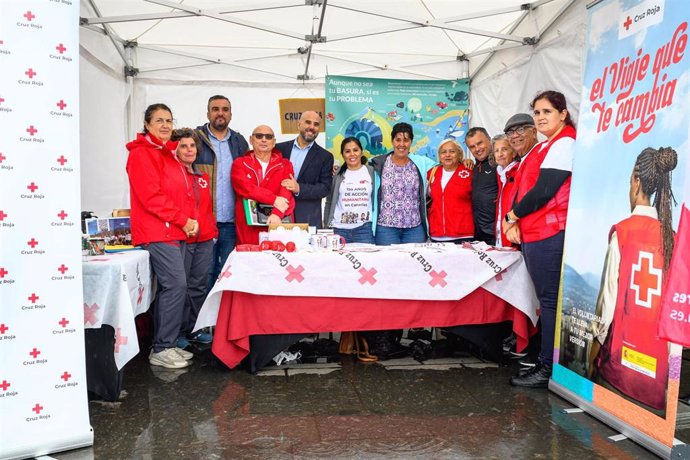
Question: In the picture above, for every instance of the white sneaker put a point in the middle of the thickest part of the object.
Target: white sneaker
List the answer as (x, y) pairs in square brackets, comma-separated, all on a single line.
[(183, 353), (168, 358)]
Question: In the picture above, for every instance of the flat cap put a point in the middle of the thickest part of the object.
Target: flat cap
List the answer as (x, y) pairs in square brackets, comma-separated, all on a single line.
[(519, 119)]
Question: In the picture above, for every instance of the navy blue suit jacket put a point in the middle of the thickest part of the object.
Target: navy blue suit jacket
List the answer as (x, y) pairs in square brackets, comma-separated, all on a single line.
[(314, 179)]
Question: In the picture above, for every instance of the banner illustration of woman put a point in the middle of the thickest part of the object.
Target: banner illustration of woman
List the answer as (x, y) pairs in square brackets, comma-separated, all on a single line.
[(626, 356)]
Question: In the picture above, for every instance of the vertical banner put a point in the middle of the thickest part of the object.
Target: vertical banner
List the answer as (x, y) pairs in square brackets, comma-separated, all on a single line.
[(368, 108), (43, 395), (609, 358)]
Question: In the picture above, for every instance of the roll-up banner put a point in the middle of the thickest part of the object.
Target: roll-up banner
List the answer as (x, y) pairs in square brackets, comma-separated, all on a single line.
[(610, 358), (368, 108), (43, 395)]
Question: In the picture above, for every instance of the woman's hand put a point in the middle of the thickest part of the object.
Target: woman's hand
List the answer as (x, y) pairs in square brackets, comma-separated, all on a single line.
[(291, 184), (513, 234), (191, 228), (281, 203), (273, 219)]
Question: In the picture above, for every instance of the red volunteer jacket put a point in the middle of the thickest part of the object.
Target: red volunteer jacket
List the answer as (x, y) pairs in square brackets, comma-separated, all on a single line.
[(450, 211), (632, 359), (505, 200), (204, 208), (249, 182), (550, 218), (161, 194)]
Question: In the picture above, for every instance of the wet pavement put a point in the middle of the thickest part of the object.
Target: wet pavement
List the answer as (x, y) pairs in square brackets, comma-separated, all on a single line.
[(459, 407)]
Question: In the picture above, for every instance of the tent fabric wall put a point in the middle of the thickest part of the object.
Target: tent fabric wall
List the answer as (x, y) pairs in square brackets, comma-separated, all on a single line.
[(505, 85)]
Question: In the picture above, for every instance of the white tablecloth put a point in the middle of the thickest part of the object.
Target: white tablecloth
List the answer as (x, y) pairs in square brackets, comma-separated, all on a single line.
[(420, 272), (117, 287)]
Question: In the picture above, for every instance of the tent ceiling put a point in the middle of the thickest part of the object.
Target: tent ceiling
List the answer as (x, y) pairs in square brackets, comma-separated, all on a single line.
[(297, 40)]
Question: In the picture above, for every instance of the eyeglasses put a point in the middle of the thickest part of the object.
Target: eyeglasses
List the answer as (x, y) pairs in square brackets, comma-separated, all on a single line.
[(267, 136), (518, 131), (163, 121)]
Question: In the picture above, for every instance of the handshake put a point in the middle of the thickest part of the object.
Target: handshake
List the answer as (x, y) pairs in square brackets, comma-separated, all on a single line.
[(191, 228)]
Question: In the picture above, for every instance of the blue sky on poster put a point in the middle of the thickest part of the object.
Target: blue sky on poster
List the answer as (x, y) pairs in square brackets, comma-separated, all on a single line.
[(603, 161)]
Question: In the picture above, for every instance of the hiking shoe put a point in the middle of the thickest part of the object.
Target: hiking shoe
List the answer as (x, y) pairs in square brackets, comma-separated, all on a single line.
[(167, 358), (182, 343), (200, 336), (184, 354)]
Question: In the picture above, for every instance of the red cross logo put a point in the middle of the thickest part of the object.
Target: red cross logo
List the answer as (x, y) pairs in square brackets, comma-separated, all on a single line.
[(226, 273), (3, 272), (61, 48), (33, 297), (35, 353), (62, 160), (32, 242), (37, 408), (90, 314), (438, 278), (2, 99), (31, 130), (62, 214), (31, 74), (66, 376), (63, 322), (367, 276), (627, 23), (2, 215), (202, 182), (294, 273), (499, 277), (645, 280), (2, 158), (29, 16), (5, 385), (33, 187), (464, 174), (61, 104), (62, 269), (140, 297), (119, 340), (3, 328)]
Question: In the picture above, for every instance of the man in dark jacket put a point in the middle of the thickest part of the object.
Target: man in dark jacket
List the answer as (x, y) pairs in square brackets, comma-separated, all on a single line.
[(313, 167), (484, 185), (220, 145)]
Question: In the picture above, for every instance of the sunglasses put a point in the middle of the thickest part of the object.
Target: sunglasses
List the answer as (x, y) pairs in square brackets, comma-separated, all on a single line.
[(267, 136)]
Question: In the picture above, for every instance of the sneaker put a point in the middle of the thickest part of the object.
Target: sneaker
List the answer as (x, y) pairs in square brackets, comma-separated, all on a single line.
[(536, 377), (184, 354), (182, 343), (200, 336), (167, 358)]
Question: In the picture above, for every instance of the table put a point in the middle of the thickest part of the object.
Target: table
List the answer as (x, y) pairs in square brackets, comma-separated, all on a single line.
[(117, 288), (354, 289)]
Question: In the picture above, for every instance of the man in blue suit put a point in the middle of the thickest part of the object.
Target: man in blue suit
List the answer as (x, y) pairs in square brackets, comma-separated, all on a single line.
[(313, 167)]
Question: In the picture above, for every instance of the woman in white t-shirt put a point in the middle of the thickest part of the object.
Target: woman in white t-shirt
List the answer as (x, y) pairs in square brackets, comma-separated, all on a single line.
[(349, 205)]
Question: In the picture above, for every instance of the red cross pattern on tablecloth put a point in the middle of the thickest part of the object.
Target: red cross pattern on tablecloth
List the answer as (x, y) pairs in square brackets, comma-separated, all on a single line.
[(3, 328), (34, 353), (3, 272), (5, 385), (29, 16), (62, 160), (33, 297), (31, 73), (140, 296), (62, 214), (37, 408), (367, 276), (32, 242), (499, 277), (63, 268), (61, 104), (61, 48), (119, 340), (294, 274), (32, 186), (226, 274), (63, 322), (66, 376), (627, 23), (645, 280), (437, 278), (90, 313)]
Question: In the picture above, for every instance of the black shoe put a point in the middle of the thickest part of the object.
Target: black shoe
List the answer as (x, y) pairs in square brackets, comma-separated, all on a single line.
[(536, 377)]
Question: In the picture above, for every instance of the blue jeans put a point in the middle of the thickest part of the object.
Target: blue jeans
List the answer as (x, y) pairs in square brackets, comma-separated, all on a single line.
[(361, 234), (543, 259), (385, 236), (227, 238)]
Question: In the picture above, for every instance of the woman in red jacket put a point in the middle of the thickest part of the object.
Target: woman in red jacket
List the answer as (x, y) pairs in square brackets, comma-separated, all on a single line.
[(450, 194), (163, 216), (257, 176), (506, 169), (199, 248), (537, 219)]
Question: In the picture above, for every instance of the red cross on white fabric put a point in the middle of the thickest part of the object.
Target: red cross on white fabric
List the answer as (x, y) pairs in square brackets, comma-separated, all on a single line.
[(61, 104), (3, 328), (627, 23), (119, 340), (90, 314), (294, 274), (37, 408), (5, 385), (33, 187), (2, 215), (32, 242), (35, 353), (62, 214), (367, 276), (63, 322), (62, 160), (66, 376), (499, 277), (31, 74), (62, 269), (3, 272), (61, 48), (437, 278), (33, 297), (645, 280), (140, 296), (29, 15)]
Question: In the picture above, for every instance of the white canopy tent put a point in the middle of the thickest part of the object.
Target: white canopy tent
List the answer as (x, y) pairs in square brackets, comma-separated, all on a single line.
[(137, 52)]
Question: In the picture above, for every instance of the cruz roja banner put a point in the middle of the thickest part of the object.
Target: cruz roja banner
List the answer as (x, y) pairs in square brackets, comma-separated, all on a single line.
[(630, 176), (368, 109), (43, 395)]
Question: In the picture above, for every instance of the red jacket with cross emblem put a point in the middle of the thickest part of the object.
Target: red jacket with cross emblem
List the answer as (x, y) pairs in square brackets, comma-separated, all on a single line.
[(204, 207), (450, 210), (632, 359)]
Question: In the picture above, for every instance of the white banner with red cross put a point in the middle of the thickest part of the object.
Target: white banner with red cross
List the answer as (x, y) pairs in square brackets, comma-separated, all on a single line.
[(43, 392), (417, 272)]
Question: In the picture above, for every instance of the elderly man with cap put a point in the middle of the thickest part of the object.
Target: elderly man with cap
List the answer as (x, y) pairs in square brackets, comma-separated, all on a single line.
[(521, 133)]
